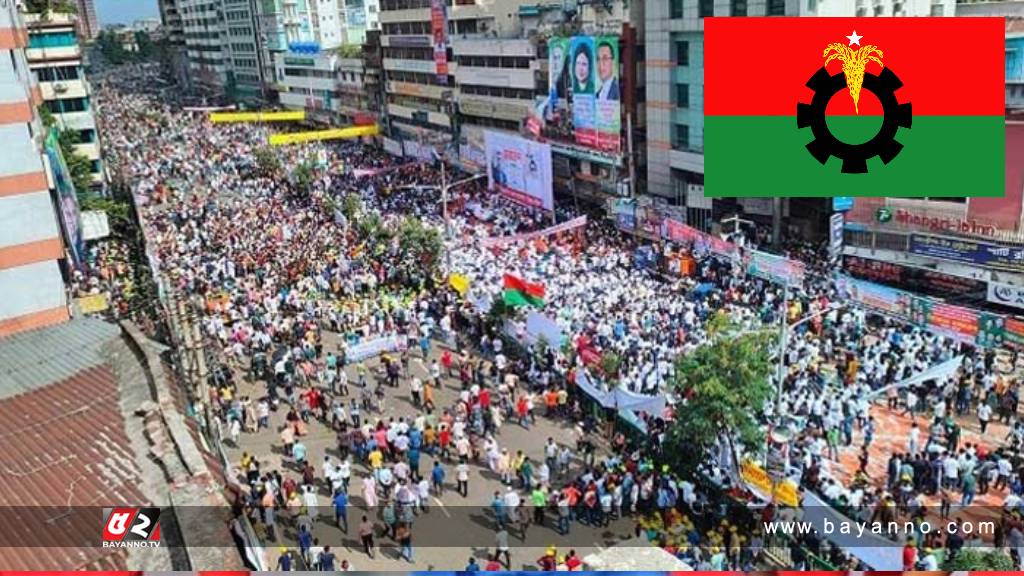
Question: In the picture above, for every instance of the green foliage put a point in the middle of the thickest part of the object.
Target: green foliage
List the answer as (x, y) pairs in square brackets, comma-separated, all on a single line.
[(980, 560), (147, 49), (118, 212), (350, 50), (726, 384), (302, 178), (267, 161), (611, 362), (47, 117), (351, 206), (111, 49), (79, 167), (45, 7)]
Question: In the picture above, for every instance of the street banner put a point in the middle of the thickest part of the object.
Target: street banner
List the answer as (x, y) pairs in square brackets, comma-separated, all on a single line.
[(937, 372), (232, 117), (775, 268), (883, 299), (759, 482), (582, 69), (702, 242), (372, 347), (318, 135), (607, 94), (439, 35), (527, 236), (519, 169)]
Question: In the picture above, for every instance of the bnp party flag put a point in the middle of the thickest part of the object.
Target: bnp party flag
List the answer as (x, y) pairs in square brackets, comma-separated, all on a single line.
[(519, 292), (853, 107)]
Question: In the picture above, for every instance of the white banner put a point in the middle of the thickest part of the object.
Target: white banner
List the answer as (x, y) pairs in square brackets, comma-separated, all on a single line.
[(622, 400), (502, 240), (520, 169), (393, 147), (937, 372), (1005, 294), (370, 348)]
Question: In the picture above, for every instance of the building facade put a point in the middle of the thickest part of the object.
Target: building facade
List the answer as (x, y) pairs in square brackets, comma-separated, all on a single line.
[(242, 50), (330, 87), (31, 247), (88, 25), (56, 58), (203, 30)]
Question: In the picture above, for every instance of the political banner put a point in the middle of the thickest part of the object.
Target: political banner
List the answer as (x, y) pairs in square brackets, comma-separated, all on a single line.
[(558, 82), (775, 268), (607, 94), (758, 481), (373, 347), (393, 147), (527, 236), (582, 69), (439, 35), (999, 293), (519, 169), (883, 299), (701, 241)]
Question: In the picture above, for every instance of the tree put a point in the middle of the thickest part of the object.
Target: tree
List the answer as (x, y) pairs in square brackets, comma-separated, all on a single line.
[(351, 206), (980, 560), (111, 49), (267, 162), (147, 49), (79, 167), (725, 386), (302, 178)]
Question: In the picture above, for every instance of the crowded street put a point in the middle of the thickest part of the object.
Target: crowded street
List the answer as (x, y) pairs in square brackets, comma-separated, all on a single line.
[(385, 402)]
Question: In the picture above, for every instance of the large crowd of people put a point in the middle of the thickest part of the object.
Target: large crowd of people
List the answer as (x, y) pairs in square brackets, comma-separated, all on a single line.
[(294, 276)]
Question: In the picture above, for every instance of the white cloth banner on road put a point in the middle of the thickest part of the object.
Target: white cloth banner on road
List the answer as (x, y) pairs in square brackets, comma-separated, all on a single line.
[(875, 551), (623, 400), (538, 325), (939, 371), (370, 348), (564, 226)]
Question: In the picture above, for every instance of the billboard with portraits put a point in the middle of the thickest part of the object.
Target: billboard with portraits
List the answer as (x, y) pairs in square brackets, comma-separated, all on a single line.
[(584, 90)]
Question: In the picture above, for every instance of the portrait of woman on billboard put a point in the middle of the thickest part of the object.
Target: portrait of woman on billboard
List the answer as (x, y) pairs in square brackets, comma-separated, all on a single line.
[(583, 68)]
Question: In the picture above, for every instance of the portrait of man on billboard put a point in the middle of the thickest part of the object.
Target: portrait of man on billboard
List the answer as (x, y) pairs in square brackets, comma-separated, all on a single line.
[(607, 72)]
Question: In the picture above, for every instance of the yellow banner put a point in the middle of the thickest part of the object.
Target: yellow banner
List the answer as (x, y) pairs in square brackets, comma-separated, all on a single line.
[(460, 283), (289, 116), (786, 491), (92, 304), (332, 134)]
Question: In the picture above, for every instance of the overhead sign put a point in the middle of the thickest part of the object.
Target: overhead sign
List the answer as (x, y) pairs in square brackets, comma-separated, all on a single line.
[(842, 203), (315, 136), (775, 268), (1006, 294), (228, 117), (520, 169), (835, 228)]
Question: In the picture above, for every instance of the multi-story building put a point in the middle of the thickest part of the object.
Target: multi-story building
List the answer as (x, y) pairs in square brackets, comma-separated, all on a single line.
[(329, 85), (176, 56), (675, 89), (360, 16), (242, 49), (30, 233), (88, 25), (56, 57), (203, 29)]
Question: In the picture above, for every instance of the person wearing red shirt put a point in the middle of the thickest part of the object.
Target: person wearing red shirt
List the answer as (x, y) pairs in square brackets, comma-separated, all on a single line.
[(444, 440), (909, 555), (572, 562), (485, 398)]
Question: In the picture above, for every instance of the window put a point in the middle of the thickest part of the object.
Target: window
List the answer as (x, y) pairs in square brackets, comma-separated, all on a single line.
[(86, 136), (938, 10), (879, 10), (680, 136), (69, 105), (682, 95), (776, 8), (682, 53), (738, 8), (706, 8), (676, 9), (861, 12)]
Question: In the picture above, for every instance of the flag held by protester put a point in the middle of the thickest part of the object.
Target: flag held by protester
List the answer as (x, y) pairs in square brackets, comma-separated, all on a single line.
[(519, 292), (459, 283)]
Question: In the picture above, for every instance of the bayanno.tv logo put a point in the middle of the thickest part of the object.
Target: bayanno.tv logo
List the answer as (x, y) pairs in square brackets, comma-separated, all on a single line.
[(131, 527)]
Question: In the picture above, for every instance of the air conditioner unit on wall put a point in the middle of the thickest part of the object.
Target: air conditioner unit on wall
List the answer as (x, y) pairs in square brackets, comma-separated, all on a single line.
[(60, 87)]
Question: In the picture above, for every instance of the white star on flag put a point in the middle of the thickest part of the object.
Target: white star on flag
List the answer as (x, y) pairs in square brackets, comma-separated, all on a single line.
[(854, 38)]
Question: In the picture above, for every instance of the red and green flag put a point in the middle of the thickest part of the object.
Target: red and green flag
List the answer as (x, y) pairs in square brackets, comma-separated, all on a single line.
[(905, 107), (519, 292)]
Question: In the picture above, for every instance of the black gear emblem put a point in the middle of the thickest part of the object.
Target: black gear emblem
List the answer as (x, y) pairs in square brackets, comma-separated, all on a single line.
[(854, 156)]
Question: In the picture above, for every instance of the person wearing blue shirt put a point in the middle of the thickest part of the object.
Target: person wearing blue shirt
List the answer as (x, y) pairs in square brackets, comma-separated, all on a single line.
[(498, 506), (299, 452), (341, 510), (414, 463), (472, 566), (284, 561), (437, 478), (305, 542)]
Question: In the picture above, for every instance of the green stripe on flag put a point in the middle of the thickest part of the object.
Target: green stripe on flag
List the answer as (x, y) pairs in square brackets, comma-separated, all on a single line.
[(942, 156), (518, 298)]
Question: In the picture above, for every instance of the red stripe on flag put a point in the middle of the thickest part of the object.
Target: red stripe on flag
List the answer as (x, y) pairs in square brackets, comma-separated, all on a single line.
[(948, 66), (515, 283)]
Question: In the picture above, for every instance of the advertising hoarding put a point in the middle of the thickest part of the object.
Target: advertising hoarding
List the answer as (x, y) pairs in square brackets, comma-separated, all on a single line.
[(584, 90), (520, 169), (985, 254), (607, 94), (582, 70)]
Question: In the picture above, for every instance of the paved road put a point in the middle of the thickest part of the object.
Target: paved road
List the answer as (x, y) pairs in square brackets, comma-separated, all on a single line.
[(455, 528)]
